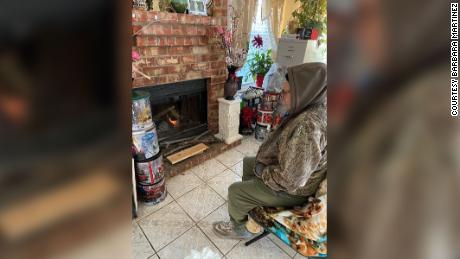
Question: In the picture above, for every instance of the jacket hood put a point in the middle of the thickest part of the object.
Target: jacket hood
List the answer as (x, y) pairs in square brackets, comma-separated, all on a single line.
[(308, 85)]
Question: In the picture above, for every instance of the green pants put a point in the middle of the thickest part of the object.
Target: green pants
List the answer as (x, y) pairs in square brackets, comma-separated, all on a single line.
[(252, 192)]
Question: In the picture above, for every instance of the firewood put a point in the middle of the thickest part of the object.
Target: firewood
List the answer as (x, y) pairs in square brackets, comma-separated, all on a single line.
[(186, 153), (163, 112)]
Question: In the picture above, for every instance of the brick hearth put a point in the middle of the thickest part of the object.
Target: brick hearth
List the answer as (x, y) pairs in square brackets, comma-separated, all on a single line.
[(179, 47)]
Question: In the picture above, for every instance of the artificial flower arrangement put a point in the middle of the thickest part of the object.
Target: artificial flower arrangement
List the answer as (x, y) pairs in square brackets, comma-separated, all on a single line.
[(260, 62), (230, 41)]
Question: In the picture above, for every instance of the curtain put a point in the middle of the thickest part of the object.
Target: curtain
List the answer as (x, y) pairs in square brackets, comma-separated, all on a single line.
[(272, 13), (247, 11)]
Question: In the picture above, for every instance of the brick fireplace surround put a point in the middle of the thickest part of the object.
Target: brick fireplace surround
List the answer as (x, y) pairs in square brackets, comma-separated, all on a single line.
[(180, 47)]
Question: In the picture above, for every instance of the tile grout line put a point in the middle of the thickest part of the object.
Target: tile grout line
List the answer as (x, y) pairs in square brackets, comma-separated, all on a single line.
[(207, 183), (233, 247), (212, 176), (145, 216), (195, 224), (206, 214), (234, 163), (175, 239), (154, 251), (211, 239), (188, 191), (280, 247)]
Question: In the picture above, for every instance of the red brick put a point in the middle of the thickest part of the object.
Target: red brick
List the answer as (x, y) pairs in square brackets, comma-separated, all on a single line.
[(201, 30), (190, 30), (147, 62), (207, 20), (218, 79), (177, 29), (216, 49), (220, 11), (144, 41), (182, 76), (179, 41), (138, 16), (146, 29), (192, 19), (168, 17), (136, 28), (157, 29), (161, 61), (215, 57), (189, 59), (220, 3), (200, 50), (202, 41), (160, 80), (193, 75), (152, 51), (154, 71), (167, 41), (179, 50), (219, 21), (165, 29), (152, 15), (203, 58), (173, 78), (139, 82), (188, 41), (182, 18), (200, 67), (172, 69), (218, 64)]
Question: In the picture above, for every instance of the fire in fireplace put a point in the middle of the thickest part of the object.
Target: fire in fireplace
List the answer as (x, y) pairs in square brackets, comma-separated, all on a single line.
[(179, 110)]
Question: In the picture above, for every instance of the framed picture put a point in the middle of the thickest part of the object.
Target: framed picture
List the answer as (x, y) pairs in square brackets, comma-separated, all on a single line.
[(197, 7)]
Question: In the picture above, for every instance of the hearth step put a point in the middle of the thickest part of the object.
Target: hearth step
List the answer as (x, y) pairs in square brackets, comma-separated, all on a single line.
[(186, 153)]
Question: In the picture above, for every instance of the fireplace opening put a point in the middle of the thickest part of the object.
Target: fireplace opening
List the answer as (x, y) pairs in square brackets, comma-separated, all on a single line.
[(179, 111)]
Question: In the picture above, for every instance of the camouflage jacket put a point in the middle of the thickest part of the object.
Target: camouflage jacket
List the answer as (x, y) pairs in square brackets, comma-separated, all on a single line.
[(294, 157)]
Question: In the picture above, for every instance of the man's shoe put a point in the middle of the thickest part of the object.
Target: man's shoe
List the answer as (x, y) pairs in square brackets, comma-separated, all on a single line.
[(229, 230)]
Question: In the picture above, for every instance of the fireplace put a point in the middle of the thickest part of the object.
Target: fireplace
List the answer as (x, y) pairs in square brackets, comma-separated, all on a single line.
[(179, 111), (186, 71)]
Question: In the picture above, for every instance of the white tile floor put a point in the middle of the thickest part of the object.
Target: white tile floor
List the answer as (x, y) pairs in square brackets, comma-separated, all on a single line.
[(182, 222)]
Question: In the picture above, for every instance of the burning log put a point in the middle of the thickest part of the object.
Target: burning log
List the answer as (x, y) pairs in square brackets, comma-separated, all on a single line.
[(163, 112)]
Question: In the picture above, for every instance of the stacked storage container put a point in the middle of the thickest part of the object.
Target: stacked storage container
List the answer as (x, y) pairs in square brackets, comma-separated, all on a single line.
[(148, 160), (267, 119)]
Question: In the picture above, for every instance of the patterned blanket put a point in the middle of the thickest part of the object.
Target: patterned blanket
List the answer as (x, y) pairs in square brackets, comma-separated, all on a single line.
[(302, 228)]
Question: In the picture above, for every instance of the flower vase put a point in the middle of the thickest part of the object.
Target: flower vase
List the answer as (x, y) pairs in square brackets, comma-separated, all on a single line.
[(232, 70), (230, 88), (260, 80)]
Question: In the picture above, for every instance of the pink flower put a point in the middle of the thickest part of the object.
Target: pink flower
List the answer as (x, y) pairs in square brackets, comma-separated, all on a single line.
[(228, 38), (220, 30), (257, 41), (135, 56)]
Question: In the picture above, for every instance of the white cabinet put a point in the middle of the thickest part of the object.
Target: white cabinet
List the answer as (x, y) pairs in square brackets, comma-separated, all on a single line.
[(293, 52)]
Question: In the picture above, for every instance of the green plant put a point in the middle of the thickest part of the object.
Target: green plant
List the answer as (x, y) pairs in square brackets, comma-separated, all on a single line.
[(312, 14), (260, 62)]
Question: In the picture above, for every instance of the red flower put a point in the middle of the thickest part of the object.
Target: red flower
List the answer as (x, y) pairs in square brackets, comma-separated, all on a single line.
[(257, 41)]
